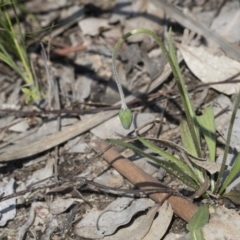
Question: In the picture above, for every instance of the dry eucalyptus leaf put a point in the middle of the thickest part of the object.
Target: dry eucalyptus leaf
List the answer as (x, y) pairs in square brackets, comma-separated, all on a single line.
[(82, 88), (42, 173), (7, 207), (76, 145), (113, 33), (118, 213), (211, 167), (20, 127), (210, 68), (110, 220), (60, 205), (228, 20), (160, 223), (119, 204), (111, 178), (223, 224), (93, 26), (138, 229), (87, 227)]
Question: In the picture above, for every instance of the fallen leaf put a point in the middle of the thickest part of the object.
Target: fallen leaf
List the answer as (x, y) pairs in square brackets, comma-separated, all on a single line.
[(87, 227), (117, 214), (160, 223), (227, 21), (138, 229), (76, 145), (60, 205), (42, 173), (110, 220), (223, 224), (7, 207), (210, 68), (110, 178), (93, 26), (211, 167)]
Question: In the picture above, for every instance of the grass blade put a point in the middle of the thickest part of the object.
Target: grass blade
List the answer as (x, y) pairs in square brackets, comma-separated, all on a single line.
[(190, 147), (232, 174), (187, 142), (171, 168), (190, 114), (184, 167), (199, 220), (208, 128)]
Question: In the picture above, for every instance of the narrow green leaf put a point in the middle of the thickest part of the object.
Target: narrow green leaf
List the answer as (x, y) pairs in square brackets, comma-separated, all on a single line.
[(169, 157), (187, 104), (198, 221), (190, 147), (232, 174), (171, 168), (208, 128), (26, 91), (187, 142), (233, 196)]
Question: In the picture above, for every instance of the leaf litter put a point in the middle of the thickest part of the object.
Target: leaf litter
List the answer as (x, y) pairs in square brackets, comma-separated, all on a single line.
[(84, 80)]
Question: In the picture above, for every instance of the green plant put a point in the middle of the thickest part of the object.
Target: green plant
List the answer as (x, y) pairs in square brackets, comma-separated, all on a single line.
[(189, 166), (12, 46)]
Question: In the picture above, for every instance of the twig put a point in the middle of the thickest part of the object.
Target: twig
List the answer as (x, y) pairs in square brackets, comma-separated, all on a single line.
[(79, 182), (182, 207)]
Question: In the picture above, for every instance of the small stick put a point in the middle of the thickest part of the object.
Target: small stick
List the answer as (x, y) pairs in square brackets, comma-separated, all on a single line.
[(181, 206)]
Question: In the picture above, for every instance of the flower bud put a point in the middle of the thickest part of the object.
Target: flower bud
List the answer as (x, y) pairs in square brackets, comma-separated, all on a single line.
[(126, 117)]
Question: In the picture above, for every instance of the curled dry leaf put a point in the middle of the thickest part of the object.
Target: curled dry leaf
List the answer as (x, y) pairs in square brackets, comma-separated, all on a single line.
[(211, 167), (110, 220), (138, 229), (210, 68), (117, 214)]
